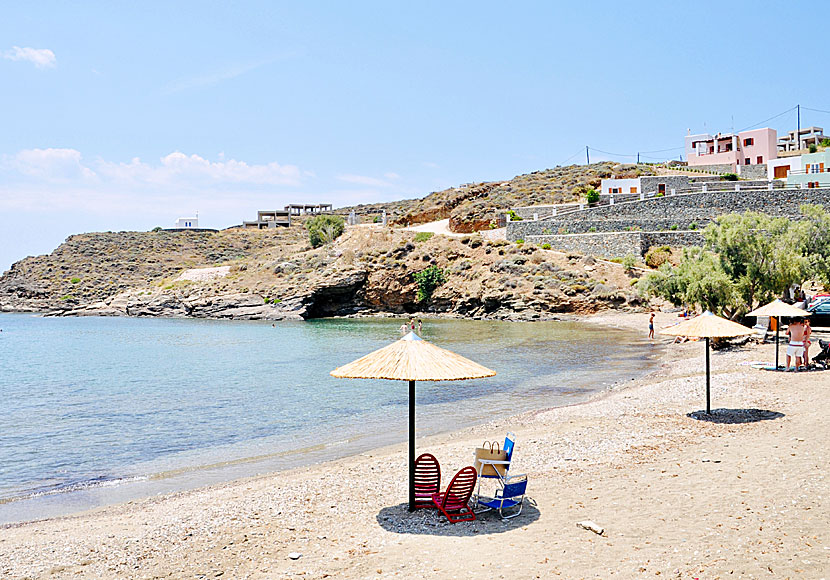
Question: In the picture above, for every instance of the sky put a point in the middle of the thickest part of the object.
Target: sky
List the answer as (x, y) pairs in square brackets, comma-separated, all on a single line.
[(126, 116)]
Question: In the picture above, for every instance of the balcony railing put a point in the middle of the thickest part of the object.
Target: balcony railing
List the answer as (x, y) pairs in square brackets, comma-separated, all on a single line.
[(805, 172)]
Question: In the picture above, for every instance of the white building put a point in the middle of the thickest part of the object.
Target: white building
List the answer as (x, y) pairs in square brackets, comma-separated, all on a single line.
[(187, 223), (780, 168)]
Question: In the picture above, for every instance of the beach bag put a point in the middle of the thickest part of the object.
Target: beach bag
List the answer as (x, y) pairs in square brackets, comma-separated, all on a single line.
[(490, 451)]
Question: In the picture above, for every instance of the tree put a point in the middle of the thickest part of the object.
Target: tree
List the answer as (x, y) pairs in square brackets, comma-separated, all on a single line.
[(810, 238), (698, 279), (324, 229), (755, 252)]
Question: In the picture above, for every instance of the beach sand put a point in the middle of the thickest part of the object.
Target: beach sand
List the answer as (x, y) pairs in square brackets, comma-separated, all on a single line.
[(678, 497)]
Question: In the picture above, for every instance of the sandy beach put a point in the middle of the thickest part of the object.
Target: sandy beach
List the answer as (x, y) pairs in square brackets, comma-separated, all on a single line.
[(677, 497)]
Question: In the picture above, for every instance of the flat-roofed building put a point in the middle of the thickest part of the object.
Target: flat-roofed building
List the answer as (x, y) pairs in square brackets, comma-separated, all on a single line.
[(269, 219)]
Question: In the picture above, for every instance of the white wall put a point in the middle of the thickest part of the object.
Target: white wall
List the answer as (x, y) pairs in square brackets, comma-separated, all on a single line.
[(187, 222), (793, 162), (625, 185)]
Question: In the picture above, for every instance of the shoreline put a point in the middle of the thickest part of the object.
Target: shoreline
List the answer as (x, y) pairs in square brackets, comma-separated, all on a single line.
[(205, 468), (629, 458)]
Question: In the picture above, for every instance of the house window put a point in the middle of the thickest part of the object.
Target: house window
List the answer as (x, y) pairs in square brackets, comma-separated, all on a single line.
[(633, 190), (749, 141), (812, 184), (746, 161), (759, 160)]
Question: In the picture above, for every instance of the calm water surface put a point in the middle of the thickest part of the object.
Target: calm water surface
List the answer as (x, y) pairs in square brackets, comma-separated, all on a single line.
[(100, 410)]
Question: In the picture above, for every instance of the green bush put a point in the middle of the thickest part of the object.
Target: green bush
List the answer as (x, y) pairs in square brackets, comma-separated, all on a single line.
[(813, 148), (546, 246), (513, 216), (324, 229), (423, 236), (520, 241), (592, 196), (156, 229), (428, 280), (592, 229), (74, 280), (729, 177), (673, 227), (693, 226), (628, 262), (825, 143)]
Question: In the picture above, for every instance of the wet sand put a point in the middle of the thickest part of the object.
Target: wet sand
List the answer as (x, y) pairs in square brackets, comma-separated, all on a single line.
[(678, 497)]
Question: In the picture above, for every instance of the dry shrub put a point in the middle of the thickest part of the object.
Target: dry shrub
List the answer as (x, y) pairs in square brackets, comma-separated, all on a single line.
[(347, 257), (537, 258)]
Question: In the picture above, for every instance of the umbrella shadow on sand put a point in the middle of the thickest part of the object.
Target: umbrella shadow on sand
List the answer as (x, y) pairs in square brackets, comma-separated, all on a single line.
[(399, 520), (735, 416)]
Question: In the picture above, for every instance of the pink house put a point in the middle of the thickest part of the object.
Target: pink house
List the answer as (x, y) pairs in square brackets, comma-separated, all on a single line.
[(755, 147)]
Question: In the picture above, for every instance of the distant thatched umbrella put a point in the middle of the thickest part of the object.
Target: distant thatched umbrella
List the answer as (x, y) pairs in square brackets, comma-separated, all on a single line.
[(707, 326), (412, 359), (777, 308)]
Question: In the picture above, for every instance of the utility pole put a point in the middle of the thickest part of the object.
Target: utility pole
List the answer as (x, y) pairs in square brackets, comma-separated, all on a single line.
[(798, 126), (638, 157), (587, 155)]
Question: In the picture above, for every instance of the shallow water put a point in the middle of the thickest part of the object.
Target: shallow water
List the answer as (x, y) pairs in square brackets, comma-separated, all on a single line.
[(100, 410)]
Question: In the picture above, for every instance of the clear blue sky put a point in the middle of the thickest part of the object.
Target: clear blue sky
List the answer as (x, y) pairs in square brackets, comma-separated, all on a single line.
[(124, 116)]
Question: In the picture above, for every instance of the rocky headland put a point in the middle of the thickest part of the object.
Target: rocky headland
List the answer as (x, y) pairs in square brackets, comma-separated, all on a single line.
[(275, 274)]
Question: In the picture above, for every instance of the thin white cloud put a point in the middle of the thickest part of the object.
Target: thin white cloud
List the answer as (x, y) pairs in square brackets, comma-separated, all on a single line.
[(363, 180), (40, 57), (50, 164), (174, 172), (216, 76), (431, 165), (391, 175), (193, 169)]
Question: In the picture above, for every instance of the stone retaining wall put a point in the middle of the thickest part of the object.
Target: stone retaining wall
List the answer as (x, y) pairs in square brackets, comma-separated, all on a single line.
[(753, 171), (617, 244), (662, 213)]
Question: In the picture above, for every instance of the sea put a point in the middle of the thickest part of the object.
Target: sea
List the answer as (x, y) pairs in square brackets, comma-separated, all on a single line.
[(95, 411)]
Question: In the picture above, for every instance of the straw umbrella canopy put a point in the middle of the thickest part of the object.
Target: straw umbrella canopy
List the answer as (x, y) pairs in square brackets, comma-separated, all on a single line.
[(777, 308), (412, 359), (707, 326)]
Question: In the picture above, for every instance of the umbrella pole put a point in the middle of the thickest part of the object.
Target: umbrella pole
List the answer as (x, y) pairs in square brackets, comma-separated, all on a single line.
[(708, 406), (412, 446), (777, 326)]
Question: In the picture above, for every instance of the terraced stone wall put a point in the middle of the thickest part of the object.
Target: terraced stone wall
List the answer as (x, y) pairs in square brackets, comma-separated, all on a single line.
[(672, 211)]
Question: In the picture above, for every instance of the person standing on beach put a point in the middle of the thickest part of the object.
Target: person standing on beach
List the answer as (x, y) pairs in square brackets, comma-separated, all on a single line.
[(795, 348), (419, 326), (807, 342), (651, 326)]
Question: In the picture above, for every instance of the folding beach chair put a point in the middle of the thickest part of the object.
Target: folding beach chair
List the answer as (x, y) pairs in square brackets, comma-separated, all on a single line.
[(511, 494), (454, 502), (427, 480), (498, 467)]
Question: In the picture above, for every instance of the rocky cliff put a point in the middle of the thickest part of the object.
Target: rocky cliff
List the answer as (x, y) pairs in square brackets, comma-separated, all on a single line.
[(275, 274)]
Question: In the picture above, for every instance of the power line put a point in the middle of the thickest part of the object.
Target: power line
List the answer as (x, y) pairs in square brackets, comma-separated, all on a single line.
[(770, 119), (571, 157), (815, 110), (614, 154)]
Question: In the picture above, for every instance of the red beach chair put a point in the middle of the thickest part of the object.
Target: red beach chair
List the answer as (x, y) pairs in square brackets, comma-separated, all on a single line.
[(427, 480), (453, 502)]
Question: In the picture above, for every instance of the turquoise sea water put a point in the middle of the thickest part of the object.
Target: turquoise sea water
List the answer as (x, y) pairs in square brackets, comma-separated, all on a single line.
[(99, 410)]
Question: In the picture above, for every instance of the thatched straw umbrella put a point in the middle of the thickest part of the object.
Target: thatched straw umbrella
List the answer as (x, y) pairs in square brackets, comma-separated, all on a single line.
[(707, 326), (777, 308), (412, 359)]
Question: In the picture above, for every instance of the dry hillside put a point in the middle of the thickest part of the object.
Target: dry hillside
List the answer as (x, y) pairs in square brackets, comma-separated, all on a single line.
[(275, 274), (476, 206)]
